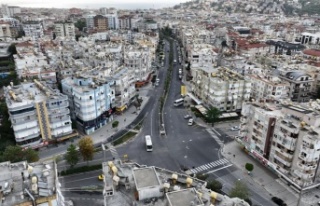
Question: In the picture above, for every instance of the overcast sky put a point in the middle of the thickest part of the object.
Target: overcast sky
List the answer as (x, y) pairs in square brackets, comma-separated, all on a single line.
[(90, 3)]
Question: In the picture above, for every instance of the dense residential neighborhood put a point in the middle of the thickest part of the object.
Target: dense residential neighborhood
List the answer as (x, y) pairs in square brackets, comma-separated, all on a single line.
[(204, 102)]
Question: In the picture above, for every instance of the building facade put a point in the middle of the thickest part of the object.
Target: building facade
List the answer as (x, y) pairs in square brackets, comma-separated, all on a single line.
[(100, 23), (90, 101), (33, 29), (64, 29), (38, 113)]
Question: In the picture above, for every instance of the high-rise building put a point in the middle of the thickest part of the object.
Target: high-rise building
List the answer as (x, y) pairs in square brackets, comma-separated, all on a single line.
[(33, 29), (100, 23), (90, 101), (64, 29), (284, 137), (38, 113)]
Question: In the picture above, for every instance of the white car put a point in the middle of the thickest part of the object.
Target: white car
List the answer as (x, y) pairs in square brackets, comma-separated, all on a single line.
[(190, 122), (235, 128), (187, 116)]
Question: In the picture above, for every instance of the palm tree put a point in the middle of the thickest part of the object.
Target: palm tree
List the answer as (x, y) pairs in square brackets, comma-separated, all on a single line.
[(212, 115)]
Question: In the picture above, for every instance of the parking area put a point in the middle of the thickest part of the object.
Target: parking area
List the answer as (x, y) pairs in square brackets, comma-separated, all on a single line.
[(228, 129)]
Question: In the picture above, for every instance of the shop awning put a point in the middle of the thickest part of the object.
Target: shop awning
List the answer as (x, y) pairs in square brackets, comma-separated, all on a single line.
[(120, 109)]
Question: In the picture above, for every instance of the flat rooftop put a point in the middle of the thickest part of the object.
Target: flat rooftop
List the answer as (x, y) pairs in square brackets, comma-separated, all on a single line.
[(145, 177), (183, 198)]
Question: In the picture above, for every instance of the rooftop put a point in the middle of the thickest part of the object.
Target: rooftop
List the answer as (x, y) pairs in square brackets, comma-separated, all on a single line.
[(22, 182), (145, 177)]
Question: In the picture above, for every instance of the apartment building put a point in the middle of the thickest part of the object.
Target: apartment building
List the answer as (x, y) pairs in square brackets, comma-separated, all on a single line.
[(125, 22), (38, 113), (268, 87), (220, 88), (64, 29), (100, 23), (10, 11), (90, 21), (90, 100), (33, 29), (5, 31), (139, 60), (202, 55), (300, 84), (125, 91), (286, 138)]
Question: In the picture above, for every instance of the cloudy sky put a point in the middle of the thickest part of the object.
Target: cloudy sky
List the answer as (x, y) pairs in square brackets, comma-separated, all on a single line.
[(92, 3)]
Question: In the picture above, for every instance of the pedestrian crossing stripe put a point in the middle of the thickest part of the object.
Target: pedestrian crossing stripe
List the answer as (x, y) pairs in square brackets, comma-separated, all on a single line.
[(113, 151), (209, 165), (215, 137)]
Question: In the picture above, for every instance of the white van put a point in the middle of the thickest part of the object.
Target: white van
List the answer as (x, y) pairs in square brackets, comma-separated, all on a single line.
[(148, 143)]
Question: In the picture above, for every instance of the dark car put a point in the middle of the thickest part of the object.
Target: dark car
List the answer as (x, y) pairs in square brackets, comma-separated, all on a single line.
[(278, 201)]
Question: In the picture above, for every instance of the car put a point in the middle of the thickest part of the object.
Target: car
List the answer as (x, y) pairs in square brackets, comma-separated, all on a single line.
[(234, 128), (187, 116), (101, 177), (190, 122)]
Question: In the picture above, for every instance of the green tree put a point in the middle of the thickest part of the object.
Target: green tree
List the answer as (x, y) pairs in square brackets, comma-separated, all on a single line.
[(115, 124), (80, 24), (212, 115), (202, 176), (13, 154), (240, 190), (72, 156), (249, 167), (31, 155), (86, 148), (214, 185)]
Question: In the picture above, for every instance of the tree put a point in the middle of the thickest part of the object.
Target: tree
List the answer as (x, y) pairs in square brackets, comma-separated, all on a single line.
[(72, 155), (13, 154), (249, 167), (212, 115), (80, 24), (115, 124), (31, 155), (86, 148), (240, 190), (214, 185), (17, 154), (202, 176)]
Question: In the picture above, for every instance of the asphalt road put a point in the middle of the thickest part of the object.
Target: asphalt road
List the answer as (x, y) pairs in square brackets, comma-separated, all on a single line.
[(183, 147)]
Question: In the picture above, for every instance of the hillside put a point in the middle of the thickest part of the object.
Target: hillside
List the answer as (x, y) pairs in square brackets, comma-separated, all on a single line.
[(257, 6)]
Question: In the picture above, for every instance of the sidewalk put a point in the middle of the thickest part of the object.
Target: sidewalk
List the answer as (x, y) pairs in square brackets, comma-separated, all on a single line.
[(260, 175), (128, 116)]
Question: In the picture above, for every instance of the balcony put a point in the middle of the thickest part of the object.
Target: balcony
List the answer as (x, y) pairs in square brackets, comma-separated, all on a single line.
[(303, 175), (284, 153), (308, 158), (306, 166), (284, 162), (289, 127)]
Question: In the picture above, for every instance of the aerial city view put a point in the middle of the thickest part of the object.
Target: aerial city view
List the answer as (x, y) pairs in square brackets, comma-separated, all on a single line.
[(166, 103)]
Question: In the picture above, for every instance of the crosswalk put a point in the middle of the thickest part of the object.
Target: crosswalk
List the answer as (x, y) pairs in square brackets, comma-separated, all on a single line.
[(210, 165), (113, 151), (215, 137)]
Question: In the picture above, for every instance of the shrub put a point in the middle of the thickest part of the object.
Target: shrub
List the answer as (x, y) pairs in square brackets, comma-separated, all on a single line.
[(115, 124)]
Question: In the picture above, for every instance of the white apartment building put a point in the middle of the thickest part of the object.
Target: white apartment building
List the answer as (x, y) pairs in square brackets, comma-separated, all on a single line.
[(138, 60), (33, 29), (300, 84), (285, 138), (10, 11), (64, 29), (90, 100), (33, 65), (202, 55), (5, 31), (38, 113), (268, 87), (90, 21), (125, 91), (220, 88)]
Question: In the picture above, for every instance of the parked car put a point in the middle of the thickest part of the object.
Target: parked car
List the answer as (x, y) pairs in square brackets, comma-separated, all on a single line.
[(187, 116), (190, 122), (101, 177), (234, 128), (278, 201)]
